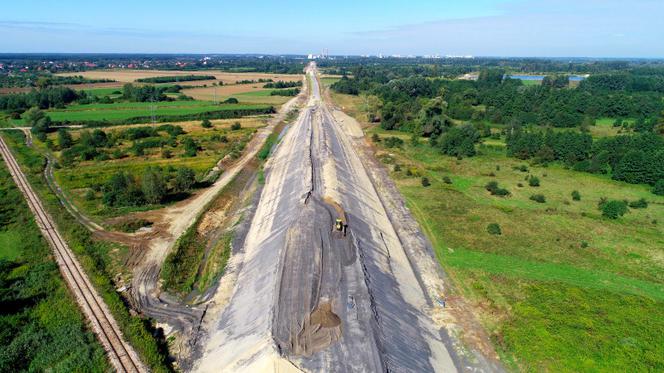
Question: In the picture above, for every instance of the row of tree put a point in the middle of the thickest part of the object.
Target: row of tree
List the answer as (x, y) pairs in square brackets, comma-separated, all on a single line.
[(51, 97), (153, 186), (636, 158), (282, 84), (497, 99)]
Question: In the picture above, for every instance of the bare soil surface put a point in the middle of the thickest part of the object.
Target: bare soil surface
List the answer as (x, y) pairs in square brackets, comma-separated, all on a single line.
[(130, 75), (309, 297)]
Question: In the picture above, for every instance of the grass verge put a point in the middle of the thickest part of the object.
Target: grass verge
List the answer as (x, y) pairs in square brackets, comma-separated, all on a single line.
[(96, 260)]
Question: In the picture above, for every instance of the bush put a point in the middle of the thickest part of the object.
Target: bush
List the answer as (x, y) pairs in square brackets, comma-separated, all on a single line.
[(397, 168), (425, 182), (534, 181), (447, 180), (90, 195), (576, 195), (393, 142), (494, 229), (206, 123), (375, 137), (613, 209), (236, 126), (539, 198), (495, 190), (658, 189), (639, 204)]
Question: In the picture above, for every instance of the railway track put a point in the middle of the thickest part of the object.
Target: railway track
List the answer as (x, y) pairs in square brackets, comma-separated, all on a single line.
[(120, 353)]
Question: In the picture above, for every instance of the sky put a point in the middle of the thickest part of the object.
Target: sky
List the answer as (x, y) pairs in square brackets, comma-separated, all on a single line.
[(538, 28)]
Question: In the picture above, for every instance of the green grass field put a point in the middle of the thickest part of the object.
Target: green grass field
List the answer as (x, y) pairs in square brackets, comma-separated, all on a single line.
[(57, 345), (83, 113), (127, 110), (100, 92), (33, 337), (328, 81), (260, 97), (560, 281), (77, 179)]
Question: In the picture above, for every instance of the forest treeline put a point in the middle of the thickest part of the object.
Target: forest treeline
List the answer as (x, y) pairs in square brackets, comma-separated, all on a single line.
[(547, 122)]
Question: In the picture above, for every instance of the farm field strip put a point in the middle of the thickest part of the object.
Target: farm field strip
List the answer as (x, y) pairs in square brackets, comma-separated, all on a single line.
[(121, 114), (129, 76)]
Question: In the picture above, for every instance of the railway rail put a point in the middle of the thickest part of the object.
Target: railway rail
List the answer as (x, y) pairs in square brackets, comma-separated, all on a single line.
[(120, 353)]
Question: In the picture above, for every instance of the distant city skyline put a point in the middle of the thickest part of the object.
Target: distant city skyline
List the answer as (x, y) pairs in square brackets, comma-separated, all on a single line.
[(502, 28)]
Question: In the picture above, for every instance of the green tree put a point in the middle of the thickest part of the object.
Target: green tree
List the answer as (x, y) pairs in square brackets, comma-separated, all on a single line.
[(190, 147), (658, 189), (460, 141), (184, 179), (64, 139), (153, 185), (633, 168), (576, 195), (206, 123)]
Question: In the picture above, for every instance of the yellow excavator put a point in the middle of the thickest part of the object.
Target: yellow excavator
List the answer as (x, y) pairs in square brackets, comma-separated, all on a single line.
[(340, 223)]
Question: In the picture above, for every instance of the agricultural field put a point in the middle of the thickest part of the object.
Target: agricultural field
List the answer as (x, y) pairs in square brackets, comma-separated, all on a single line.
[(129, 76), (122, 111), (82, 179), (244, 93)]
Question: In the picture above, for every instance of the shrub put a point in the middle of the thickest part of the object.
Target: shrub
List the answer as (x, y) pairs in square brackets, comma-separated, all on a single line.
[(393, 142), (639, 204), (520, 185), (534, 181), (447, 180), (576, 195), (190, 147), (658, 189), (236, 126), (494, 229), (206, 123), (613, 209), (495, 190), (375, 137), (539, 198), (584, 244), (425, 181), (90, 195), (397, 168), (166, 154)]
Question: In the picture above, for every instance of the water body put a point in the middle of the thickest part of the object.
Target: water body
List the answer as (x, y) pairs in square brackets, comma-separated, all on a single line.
[(573, 78)]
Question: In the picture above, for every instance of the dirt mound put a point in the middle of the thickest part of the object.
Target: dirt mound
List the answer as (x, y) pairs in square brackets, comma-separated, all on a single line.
[(319, 330), (324, 316)]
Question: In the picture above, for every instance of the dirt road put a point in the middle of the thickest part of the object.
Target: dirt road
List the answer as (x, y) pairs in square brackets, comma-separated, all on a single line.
[(308, 297)]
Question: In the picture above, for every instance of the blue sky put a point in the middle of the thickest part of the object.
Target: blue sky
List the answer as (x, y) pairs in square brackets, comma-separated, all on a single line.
[(583, 28)]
